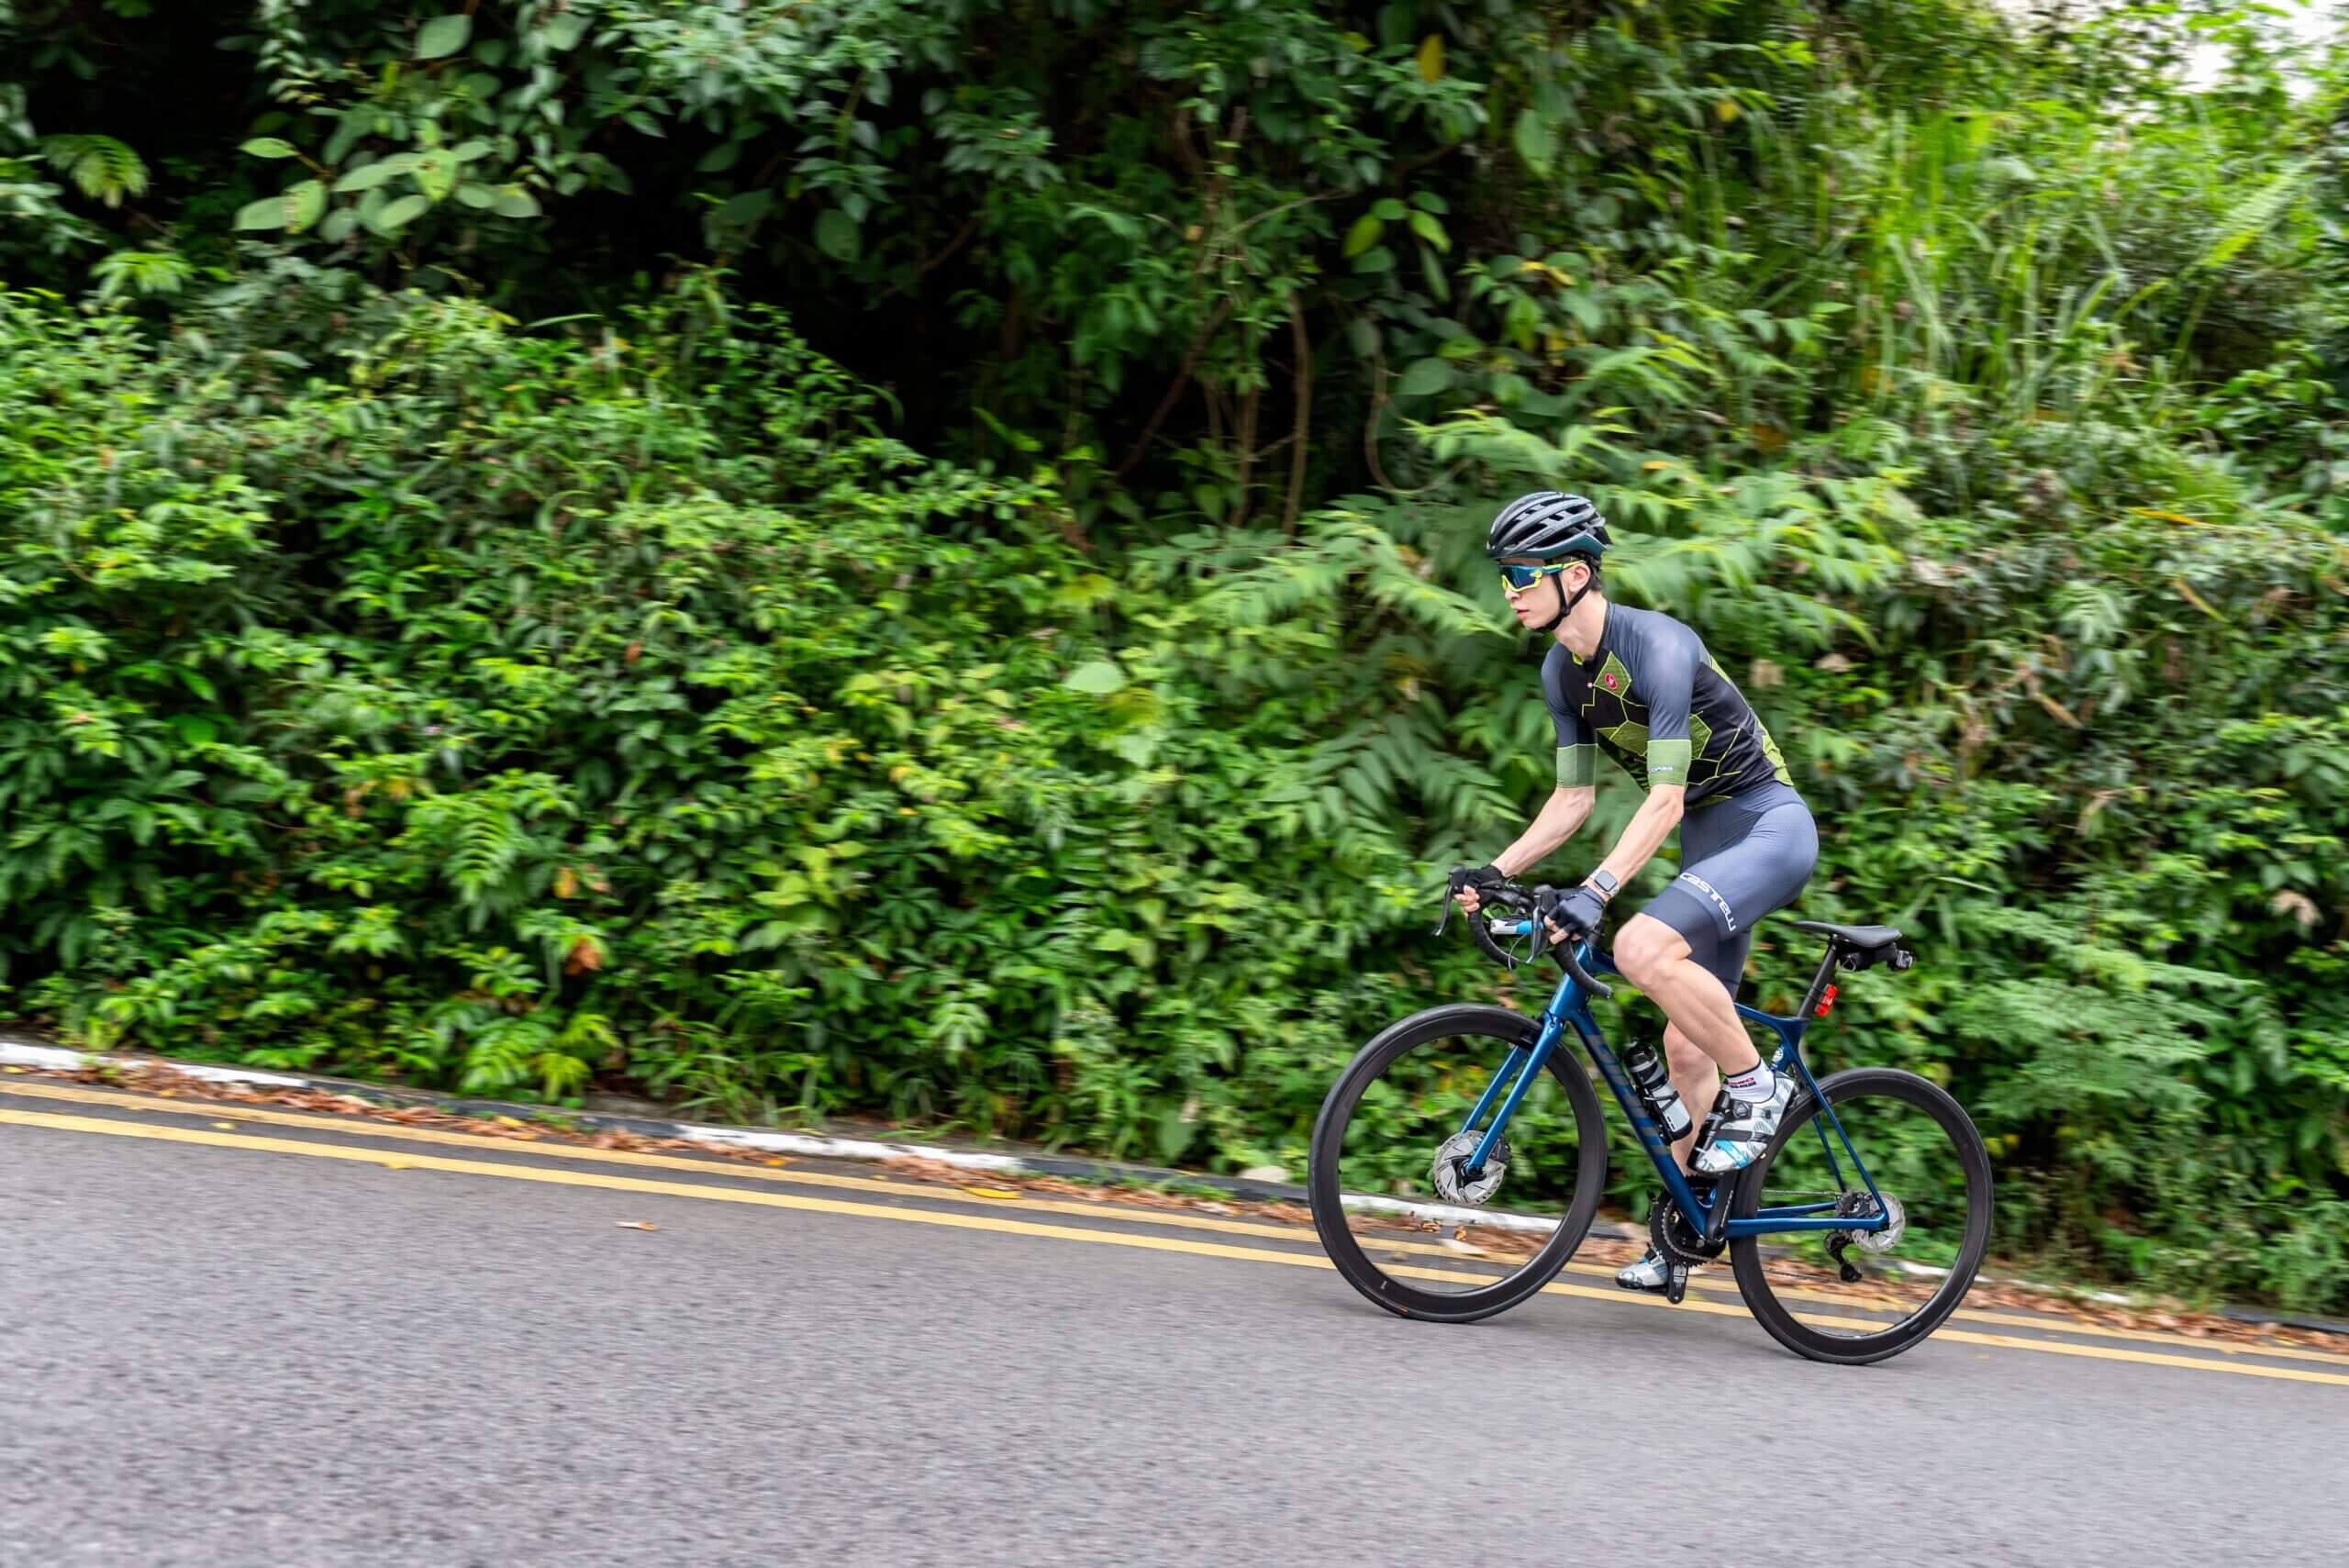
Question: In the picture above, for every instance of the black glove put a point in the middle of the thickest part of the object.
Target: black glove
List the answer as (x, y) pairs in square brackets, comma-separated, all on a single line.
[(1483, 878), (1578, 909)]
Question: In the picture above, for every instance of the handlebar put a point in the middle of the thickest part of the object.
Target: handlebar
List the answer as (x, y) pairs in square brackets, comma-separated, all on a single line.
[(1516, 900)]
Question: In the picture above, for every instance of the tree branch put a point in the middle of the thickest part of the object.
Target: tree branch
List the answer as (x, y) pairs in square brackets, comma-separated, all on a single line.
[(1303, 381), (1174, 389)]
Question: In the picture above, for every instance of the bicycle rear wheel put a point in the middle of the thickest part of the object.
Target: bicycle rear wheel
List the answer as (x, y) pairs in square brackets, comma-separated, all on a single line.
[(1400, 1126), (1929, 1163)]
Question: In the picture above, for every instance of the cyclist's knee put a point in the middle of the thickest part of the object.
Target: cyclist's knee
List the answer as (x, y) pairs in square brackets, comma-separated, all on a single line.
[(1644, 946)]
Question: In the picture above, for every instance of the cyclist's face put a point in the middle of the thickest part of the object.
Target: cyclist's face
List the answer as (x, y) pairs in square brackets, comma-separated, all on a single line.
[(1537, 602)]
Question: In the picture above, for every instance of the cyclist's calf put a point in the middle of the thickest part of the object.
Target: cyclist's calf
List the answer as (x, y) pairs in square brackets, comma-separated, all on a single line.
[(1684, 1058)]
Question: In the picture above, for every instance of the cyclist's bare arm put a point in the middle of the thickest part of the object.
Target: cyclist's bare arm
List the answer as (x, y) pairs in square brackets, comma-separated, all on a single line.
[(1645, 834), (1562, 815)]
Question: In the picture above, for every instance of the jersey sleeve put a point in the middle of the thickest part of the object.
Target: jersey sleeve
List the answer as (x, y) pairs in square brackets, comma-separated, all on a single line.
[(1670, 682), (1577, 752)]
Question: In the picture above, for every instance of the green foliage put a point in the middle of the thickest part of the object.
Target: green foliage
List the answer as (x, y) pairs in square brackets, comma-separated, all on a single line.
[(99, 166), (511, 711), (388, 685)]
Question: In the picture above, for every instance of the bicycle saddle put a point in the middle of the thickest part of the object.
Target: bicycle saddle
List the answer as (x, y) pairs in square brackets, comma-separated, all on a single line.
[(1860, 938)]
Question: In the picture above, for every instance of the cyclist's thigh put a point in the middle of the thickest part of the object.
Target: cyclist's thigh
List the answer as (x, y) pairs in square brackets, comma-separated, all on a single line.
[(1736, 867)]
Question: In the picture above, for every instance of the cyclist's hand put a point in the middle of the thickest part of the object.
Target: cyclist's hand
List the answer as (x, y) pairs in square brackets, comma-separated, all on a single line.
[(1474, 880), (1574, 913)]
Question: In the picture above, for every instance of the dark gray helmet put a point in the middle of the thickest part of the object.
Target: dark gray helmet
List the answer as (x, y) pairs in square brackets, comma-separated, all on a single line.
[(1545, 524)]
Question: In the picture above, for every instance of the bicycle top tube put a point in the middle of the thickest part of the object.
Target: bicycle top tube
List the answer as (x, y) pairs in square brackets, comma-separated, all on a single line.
[(1789, 1028)]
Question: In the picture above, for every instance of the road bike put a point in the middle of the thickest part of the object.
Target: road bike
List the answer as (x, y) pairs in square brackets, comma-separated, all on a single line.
[(1852, 1237)]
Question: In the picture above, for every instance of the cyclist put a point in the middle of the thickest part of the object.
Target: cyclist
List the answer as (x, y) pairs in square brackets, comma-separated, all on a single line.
[(1640, 685)]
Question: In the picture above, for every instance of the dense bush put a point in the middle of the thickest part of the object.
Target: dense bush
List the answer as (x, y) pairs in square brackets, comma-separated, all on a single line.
[(1031, 671), (499, 712)]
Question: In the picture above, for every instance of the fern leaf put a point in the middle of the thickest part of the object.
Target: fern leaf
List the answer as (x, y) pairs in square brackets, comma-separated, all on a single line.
[(102, 168)]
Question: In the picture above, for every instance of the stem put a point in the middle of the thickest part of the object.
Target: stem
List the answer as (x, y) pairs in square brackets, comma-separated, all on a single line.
[(1304, 413), (1198, 345), (1247, 436)]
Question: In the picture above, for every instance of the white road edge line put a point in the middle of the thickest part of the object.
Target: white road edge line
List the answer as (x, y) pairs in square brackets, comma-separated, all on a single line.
[(55, 1059)]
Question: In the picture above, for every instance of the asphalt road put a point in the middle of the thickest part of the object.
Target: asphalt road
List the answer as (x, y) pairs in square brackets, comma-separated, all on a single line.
[(315, 1342)]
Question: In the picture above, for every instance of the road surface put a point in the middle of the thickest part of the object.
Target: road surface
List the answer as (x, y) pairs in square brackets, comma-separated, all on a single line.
[(232, 1336)]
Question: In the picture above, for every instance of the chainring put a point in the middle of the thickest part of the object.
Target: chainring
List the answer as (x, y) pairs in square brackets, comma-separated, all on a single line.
[(1671, 1234), (1445, 1171)]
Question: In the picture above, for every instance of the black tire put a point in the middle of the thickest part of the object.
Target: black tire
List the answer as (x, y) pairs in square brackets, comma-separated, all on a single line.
[(1495, 1030), (1759, 1276)]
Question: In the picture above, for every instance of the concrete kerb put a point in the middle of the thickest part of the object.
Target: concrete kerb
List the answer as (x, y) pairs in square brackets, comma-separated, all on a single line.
[(19, 1051)]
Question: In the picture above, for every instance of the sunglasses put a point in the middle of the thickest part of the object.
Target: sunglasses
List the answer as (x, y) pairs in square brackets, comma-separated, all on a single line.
[(1526, 576)]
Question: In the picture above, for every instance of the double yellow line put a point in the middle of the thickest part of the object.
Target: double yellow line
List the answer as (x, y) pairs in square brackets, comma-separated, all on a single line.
[(1000, 1225)]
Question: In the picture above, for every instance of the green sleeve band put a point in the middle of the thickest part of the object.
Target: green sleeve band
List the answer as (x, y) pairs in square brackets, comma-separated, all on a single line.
[(1668, 761), (1578, 767)]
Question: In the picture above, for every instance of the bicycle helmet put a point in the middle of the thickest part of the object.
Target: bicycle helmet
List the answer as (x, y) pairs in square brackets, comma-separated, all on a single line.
[(1548, 525), (1548, 522)]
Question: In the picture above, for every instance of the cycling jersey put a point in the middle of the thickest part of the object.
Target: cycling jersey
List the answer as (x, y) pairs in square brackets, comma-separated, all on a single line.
[(1653, 698)]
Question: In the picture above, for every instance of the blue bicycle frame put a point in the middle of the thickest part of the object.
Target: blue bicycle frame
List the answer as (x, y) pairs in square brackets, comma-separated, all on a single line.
[(1570, 1006)]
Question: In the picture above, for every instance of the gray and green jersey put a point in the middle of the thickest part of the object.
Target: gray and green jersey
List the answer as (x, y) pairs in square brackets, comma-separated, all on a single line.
[(1655, 700)]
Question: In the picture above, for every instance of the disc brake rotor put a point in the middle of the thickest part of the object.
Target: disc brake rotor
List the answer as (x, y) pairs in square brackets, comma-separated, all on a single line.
[(1457, 1151), (1897, 1226), (1858, 1206)]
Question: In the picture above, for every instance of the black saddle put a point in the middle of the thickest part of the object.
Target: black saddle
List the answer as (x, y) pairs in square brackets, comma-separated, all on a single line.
[(1861, 946)]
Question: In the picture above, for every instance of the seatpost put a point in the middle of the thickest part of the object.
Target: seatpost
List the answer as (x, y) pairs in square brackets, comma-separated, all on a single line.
[(1819, 984)]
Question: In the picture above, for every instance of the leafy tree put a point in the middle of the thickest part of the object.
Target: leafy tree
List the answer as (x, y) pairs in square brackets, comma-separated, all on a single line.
[(1027, 668)]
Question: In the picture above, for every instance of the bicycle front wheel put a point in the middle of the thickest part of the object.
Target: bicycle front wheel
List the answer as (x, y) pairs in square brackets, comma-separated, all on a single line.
[(1403, 1209), (1859, 1295)]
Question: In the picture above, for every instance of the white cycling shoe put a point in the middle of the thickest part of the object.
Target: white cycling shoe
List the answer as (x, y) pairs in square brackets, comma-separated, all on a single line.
[(1746, 1131), (1651, 1273)]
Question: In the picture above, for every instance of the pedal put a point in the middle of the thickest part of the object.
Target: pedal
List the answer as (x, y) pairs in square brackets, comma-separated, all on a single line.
[(1678, 1285)]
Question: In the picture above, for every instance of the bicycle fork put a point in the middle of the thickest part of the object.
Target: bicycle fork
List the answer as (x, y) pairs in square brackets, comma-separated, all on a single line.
[(1525, 1062)]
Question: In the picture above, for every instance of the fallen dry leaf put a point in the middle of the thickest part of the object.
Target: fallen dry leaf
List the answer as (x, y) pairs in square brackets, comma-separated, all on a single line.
[(1003, 1193), (636, 1224), (225, 1126)]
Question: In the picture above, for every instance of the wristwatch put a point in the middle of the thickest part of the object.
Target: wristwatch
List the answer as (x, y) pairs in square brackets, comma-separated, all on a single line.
[(1600, 883)]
